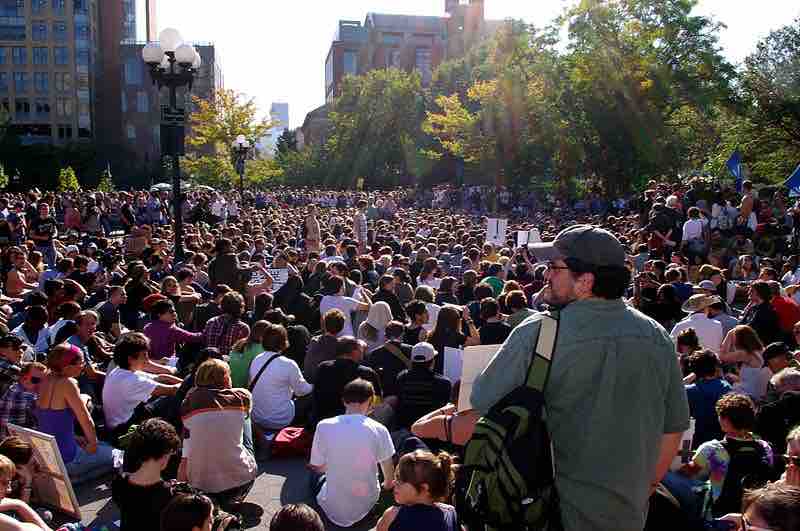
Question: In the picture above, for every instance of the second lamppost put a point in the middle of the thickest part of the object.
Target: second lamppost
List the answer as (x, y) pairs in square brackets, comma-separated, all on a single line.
[(240, 149), (173, 64)]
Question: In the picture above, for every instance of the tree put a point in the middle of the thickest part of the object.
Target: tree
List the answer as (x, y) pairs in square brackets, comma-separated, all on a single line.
[(3, 178), (67, 181), (106, 183), (373, 121), (286, 142), (214, 125)]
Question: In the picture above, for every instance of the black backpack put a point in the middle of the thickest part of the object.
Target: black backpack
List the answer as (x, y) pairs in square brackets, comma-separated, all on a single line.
[(747, 469), (508, 478)]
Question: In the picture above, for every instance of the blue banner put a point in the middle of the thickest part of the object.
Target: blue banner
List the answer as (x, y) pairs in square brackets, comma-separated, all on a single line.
[(793, 183), (734, 165)]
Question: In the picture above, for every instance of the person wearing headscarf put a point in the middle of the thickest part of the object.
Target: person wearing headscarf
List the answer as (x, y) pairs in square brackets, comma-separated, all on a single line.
[(373, 330)]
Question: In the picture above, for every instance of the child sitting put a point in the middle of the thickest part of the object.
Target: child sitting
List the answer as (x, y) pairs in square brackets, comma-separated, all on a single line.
[(422, 483)]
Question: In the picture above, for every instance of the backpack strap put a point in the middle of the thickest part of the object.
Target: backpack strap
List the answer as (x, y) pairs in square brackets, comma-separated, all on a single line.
[(397, 353), (261, 371), (542, 357)]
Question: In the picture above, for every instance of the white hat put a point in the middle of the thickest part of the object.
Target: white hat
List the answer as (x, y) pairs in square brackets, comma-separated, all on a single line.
[(422, 353), (72, 249)]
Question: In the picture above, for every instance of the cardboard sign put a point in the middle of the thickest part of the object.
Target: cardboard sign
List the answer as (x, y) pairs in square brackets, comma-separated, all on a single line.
[(475, 359), (52, 484), (496, 231)]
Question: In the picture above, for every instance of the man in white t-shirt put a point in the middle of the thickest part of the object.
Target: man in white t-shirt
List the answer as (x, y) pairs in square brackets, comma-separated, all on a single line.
[(348, 487), (337, 301), (127, 385)]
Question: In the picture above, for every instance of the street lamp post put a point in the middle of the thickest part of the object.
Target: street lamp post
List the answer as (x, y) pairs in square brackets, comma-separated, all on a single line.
[(173, 64), (240, 148)]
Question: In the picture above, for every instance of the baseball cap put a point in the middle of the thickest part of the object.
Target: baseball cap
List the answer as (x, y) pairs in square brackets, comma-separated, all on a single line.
[(73, 249), (591, 245), (422, 353), (706, 285), (775, 350)]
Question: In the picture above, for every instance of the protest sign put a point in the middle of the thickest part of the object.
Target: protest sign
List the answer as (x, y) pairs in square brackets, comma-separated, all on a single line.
[(526, 237), (496, 231), (453, 362), (51, 484), (685, 452), (475, 359), (279, 278)]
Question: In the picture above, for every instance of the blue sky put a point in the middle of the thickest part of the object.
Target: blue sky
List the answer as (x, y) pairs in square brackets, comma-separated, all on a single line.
[(274, 50)]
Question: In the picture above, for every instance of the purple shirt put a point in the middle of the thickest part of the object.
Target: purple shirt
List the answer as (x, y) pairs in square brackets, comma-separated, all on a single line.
[(165, 336)]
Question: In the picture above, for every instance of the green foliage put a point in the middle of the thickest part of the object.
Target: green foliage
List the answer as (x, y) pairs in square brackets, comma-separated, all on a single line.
[(3, 177), (67, 181), (286, 142), (106, 183)]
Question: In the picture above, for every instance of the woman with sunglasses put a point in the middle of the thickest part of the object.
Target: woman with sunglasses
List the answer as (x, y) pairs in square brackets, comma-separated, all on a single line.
[(59, 405), (775, 507)]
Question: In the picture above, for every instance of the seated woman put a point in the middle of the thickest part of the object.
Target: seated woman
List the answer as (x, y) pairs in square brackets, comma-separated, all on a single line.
[(59, 405), (164, 334), (140, 493), (218, 456), (274, 379), (17, 284), (743, 347)]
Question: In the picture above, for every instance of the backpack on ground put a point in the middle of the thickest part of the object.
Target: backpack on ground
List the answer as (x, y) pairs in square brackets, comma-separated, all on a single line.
[(748, 468), (508, 477)]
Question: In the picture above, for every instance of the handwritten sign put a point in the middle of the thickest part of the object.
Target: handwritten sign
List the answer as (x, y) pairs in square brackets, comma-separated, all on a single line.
[(279, 278), (496, 231), (475, 359), (453, 363)]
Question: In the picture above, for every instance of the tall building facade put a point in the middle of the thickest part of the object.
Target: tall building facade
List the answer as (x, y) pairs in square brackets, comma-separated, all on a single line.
[(48, 65), (139, 137), (122, 21), (279, 113)]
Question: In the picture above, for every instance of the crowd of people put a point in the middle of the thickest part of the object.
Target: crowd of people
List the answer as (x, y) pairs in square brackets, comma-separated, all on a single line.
[(318, 323)]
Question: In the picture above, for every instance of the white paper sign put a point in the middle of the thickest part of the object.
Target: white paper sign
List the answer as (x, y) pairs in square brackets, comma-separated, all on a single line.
[(453, 362), (685, 452), (525, 237), (496, 231), (475, 359), (279, 278)]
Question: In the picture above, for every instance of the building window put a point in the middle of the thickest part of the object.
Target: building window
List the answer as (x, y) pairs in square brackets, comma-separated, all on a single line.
[(64, 132), (39, 31), (38, 7), (41, 82), (60, 55), (21, 82), (329, 71), (124, 102), (64, 107), (350, 62), (63, 81), (133, 71), (59, 31), (3, 81), (392, 39), (40, 56), (58, 7), (19, 55), (131, 130), (82, 57), (81, 7), (12, 8), (82, 31), (393, 58), (3, 58), (42, 108), (423, 64), (142, 102), (23, 108)]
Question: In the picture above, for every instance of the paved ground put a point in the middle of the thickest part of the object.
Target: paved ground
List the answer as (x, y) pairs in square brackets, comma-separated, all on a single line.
[(279, 482)]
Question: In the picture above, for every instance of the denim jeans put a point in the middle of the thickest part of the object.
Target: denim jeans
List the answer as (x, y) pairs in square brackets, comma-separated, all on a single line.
[(48, 253), (86, 467)]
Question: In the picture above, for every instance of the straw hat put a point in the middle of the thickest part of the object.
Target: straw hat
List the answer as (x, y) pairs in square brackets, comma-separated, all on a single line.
[(699, 302)]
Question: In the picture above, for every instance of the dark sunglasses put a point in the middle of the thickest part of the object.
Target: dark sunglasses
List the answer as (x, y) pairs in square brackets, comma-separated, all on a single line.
[(36, 379)]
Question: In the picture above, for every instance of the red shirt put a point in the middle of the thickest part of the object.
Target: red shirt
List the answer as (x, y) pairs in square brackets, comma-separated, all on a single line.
[(788, 312)]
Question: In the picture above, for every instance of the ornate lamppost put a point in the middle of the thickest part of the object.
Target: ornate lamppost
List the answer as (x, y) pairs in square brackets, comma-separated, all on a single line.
[(173, 64), (240, 149)]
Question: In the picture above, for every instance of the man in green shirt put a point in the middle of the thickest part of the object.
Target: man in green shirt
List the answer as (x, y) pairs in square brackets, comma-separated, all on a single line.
[(616, 405)]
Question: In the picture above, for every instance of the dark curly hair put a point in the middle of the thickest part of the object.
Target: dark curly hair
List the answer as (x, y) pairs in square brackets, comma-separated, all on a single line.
[(738, 409), (152, 439)]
